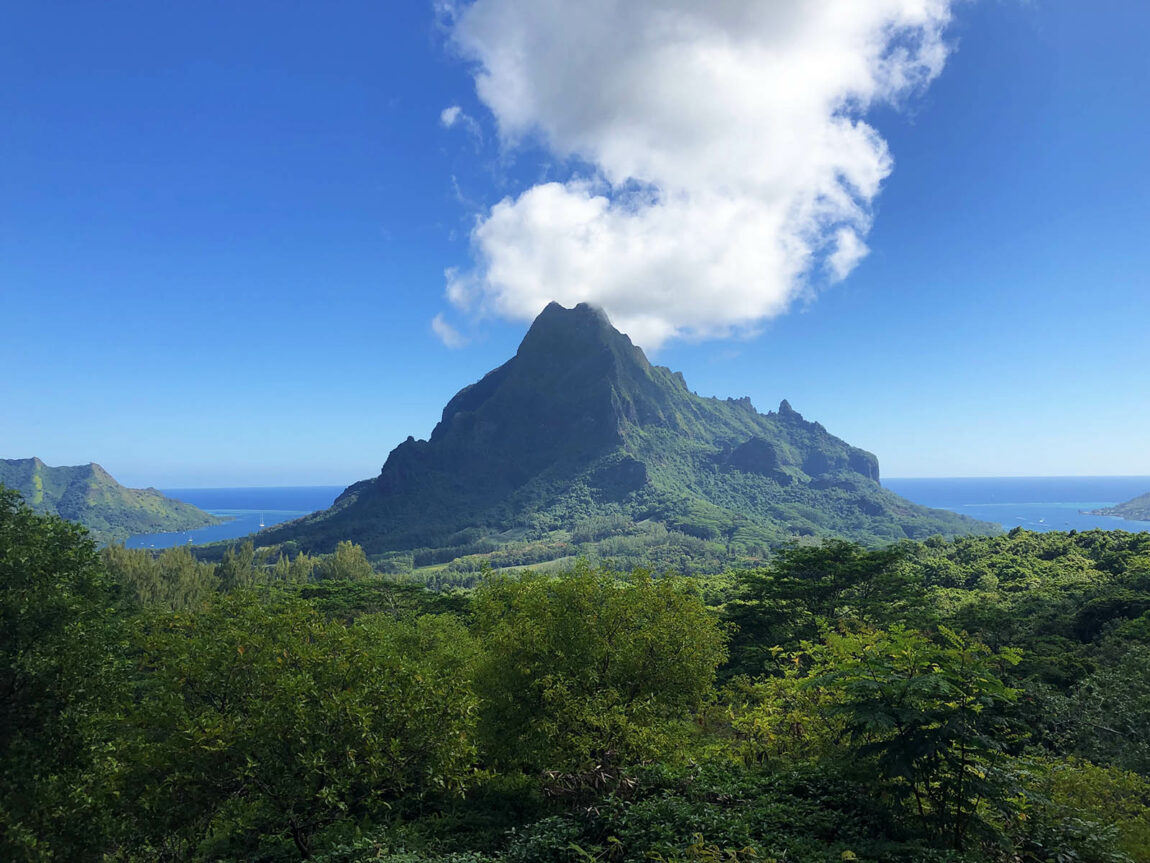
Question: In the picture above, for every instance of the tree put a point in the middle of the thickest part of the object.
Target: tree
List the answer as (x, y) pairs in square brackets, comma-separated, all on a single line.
[(58, 620), (930, 714), (587, 664), (809, 586), (174, 579), (347, 562), (293, 570), (258, 719), (237, 569), (1110, 712)]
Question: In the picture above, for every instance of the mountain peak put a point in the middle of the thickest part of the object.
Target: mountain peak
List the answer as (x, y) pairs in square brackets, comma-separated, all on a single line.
[(581, 310), (567, 392), (578, 426), (583, 318), (561, 335)]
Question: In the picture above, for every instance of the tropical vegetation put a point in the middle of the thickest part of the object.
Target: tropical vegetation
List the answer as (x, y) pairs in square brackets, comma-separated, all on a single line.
[(975, 699)]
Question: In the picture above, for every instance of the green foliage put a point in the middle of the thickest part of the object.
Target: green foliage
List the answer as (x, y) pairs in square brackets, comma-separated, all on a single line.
[(585, 667), (1113, 799), (931, 714), (58, 630), (173, 579), (346, 563), (348, 600), (265, 720), (177, 580), (238, 569), (259, 705), (370, 848), (808, 587), (780, 719), (287, 569), (723, 812), (1110, 712), (1077, 811), (1060, 597)]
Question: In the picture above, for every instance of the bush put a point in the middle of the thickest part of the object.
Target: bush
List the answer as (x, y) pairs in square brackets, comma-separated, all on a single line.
[(255, 719), (586, 667)]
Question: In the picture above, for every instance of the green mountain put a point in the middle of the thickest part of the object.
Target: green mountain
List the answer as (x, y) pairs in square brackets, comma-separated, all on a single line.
[(88, 494), (1137, 509), (579, 445)]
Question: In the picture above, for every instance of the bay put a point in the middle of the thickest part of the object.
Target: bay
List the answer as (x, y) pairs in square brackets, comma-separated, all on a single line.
[(1035, 503), (244, 508)]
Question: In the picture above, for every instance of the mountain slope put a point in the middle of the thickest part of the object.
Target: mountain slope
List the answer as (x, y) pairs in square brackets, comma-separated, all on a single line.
[(1137, 509), (88, 494), (578, 439)]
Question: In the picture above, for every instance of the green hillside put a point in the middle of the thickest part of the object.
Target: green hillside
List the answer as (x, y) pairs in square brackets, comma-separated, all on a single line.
[(578, 445), (89, 495), (1137, 509)]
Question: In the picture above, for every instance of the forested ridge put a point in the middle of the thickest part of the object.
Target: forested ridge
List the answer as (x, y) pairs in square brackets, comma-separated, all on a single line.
[(88, 494), (1137, 509), (976, 699)]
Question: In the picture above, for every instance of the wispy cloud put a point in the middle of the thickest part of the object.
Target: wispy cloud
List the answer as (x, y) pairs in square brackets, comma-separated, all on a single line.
[(446, 333), (454, 116), (449, 115), (718, 160)]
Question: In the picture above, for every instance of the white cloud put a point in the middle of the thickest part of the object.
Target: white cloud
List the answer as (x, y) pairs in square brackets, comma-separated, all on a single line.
[(847, 249), (446, 333), (722, 162), (448, 116), (455, 116)]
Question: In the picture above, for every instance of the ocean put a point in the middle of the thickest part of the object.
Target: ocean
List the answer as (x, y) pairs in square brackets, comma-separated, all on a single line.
[(1034, 503), (1039, 503)]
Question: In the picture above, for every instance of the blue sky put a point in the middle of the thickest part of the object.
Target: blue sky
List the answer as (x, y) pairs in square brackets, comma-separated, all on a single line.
[(224, 231)]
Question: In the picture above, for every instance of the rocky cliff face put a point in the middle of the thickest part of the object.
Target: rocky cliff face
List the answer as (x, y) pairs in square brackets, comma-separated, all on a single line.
[(579, 424)]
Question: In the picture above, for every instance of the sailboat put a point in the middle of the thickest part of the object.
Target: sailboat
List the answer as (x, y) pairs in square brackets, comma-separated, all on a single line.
[(261, 521)]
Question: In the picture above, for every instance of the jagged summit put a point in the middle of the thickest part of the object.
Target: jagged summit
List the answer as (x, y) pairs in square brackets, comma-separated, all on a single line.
[(582, 321), (561, 332), (578, 426)]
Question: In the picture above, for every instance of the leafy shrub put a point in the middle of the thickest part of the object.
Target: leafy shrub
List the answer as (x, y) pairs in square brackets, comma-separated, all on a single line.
[(585, 666), (256, 718)]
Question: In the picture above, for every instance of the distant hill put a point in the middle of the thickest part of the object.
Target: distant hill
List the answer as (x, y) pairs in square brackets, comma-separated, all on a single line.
[(1137, 509), (89, 495), (578, 445)]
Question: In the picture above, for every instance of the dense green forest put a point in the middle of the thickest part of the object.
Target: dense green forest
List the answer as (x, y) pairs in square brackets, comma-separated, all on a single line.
[(978, 699)]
